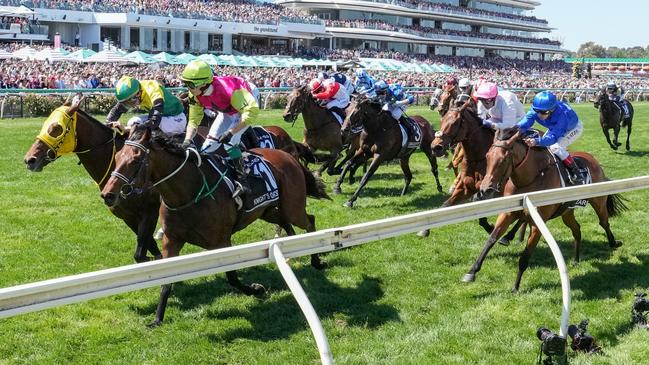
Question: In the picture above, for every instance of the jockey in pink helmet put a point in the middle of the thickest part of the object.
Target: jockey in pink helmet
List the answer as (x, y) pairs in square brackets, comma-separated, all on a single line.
[(497, 108)]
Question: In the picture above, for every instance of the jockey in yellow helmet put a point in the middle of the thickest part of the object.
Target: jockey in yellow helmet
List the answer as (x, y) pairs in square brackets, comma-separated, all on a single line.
[(165, 110)]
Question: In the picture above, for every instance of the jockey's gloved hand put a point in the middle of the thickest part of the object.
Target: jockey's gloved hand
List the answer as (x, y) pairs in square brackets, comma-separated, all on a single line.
[(225, 137), (187, 143), (386, 107)]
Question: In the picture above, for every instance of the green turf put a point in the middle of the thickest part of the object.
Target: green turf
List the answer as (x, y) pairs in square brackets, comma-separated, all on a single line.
[(397, 301)]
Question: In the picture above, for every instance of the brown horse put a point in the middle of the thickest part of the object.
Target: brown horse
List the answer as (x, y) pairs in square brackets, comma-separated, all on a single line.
[(463, 127), (612, 117), (71, 130), (381, 139), (197, 205), (519, 169), (321, 129), (446, 99)]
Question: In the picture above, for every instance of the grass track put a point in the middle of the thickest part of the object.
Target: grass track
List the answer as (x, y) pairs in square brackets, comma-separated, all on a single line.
[(397, 301)]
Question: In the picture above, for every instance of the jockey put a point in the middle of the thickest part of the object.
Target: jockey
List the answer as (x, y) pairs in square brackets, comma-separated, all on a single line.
[(165, 110), (232, 97), (465, 91), (331, 93), (615, 94), (563, 126), (339, 78), (498, 109), (396, 101), (364, 84)]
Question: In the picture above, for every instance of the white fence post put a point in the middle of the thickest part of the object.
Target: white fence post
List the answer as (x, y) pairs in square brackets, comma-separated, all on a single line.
[(561, 265), (275, 253)]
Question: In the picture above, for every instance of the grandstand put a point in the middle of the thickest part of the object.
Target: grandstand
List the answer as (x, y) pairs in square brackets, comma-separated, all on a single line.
[(433, 27)]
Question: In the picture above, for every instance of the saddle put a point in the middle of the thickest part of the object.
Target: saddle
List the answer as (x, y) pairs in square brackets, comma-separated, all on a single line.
[(410, 135), (566, 181), (339, 114), (257, 136)]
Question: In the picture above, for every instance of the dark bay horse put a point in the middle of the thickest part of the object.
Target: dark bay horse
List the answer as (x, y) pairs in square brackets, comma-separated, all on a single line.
[(532, 169), (321, 129), (71, 130), (612, 117), (198, 208), (381, 140)]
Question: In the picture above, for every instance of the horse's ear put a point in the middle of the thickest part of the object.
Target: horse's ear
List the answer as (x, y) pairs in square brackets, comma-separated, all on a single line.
[(68, 100)]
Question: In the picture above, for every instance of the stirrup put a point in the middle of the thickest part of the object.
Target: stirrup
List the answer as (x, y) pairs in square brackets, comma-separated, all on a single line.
[(238, 190)]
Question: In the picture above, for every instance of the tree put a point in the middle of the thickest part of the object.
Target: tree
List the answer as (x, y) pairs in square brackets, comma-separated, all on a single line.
[(591, 49), (615, 52), (635, 52)]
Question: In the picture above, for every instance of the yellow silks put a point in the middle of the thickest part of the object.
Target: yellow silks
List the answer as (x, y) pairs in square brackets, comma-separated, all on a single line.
[(66, 142)]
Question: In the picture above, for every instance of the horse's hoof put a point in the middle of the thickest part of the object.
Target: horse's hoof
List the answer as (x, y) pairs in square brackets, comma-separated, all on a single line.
[(617, 244), (348, 204), (468, 278), (154, 324), (614, 148), (337, 191), (504, 241), (158, 257), (439, 188), (424, 233), (320, 265), (257, 289), (618, 143), (514, 290)]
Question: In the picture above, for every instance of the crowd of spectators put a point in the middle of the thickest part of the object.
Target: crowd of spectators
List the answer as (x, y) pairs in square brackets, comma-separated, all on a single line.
[(429, 32), (240, 11), (508, 73), (437, 7)]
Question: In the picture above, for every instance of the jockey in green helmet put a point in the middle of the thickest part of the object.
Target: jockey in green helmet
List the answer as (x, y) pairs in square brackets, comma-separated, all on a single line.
[(165, 110)]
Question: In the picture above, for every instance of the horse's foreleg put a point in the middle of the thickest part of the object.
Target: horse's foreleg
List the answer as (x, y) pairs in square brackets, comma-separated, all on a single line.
[(502, 222), (373, 167), (407, 174), (608, 138), (170, 248), (524, 260), (570, 222), (146, 228), (331, 163), (512, 233), (616, 133), (433, 166), (348, 167)]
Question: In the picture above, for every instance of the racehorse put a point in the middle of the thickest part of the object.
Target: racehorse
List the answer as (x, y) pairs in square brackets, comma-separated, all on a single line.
[(381, 139), (434, 98), (71, 130), (463, 126), (612, 117), (197, 204), (532, 169), (448, 96), (321, 129)]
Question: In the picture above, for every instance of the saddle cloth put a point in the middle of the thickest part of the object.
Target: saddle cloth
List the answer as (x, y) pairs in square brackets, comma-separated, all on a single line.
[(565, 179), (410, 140), (265, 139), (263, 185)]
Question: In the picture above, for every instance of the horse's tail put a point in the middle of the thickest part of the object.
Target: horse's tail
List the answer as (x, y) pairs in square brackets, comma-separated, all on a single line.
[(615, 205), (304, 153), (315, 187)]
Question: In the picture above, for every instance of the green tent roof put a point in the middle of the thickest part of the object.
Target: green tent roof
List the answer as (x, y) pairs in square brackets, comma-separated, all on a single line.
[(167, 58), (140, 57), (185, 58)]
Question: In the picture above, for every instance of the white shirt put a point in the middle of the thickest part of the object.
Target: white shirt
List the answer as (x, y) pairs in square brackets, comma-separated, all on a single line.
[(506, 112)]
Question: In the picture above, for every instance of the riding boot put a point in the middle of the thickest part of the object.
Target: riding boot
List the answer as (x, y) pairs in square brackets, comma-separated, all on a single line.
[(242, 186), (250, 138), (406, 124), (575, 175)]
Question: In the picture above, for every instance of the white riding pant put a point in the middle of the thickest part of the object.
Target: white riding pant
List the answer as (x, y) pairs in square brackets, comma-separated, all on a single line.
[(396, 110), (221, 124), (560, 147), (175, 124), (341, 103)]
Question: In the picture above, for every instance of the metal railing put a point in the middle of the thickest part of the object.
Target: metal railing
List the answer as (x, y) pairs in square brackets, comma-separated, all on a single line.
[(83, 287)]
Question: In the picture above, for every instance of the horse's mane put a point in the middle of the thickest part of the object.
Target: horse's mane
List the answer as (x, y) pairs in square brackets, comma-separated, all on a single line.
[(169, 143), (95, 120), (506, 134)]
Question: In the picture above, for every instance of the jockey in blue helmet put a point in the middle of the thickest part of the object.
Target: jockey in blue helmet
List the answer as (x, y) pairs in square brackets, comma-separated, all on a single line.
[(396, 101), (364, 84), (616, 95), (563, 127)]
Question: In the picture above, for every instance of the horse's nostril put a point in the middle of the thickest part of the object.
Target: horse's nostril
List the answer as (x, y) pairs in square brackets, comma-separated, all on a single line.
[(109, 199)]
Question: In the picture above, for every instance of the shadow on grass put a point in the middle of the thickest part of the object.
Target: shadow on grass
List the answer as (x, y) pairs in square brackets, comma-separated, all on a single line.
[(281, 317), (636, 153)]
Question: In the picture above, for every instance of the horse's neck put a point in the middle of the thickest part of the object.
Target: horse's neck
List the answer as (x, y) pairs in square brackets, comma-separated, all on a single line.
[(95, 154), (381, 123), (534, 161), (478, 140), (185, 184), (315, 116)]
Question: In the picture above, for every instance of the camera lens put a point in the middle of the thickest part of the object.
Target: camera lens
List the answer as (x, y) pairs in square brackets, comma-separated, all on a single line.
[(542, 333), (572, 330)]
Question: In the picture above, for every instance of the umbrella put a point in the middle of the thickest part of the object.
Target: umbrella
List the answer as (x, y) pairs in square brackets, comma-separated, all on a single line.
[(81, 54), (24, 53), (226, 60), (106, 56), (167, 58), (185, 58), (140, 57), (209, 58), (53, 55)]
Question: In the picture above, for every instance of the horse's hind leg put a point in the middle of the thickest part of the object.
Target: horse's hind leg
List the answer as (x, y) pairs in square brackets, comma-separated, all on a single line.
[(608, 138), (570, 221), (616, 133), (252, 289), (146, 228), (308, 224), (628, 134), (512, 232), (599, 205), (407, 174)]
